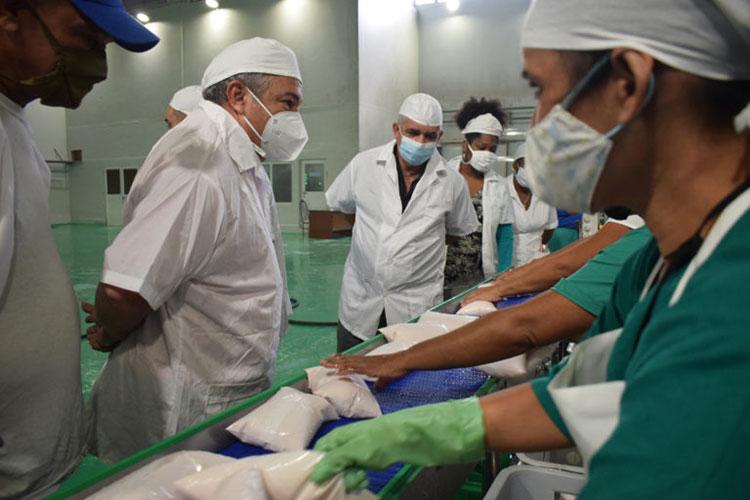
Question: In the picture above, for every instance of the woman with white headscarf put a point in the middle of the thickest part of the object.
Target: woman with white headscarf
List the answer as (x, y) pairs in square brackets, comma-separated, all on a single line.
[(641, 104), (474, 257)]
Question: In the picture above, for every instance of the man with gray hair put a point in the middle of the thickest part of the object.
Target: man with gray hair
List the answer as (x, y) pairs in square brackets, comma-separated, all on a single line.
[(192, 301), (407, 200)]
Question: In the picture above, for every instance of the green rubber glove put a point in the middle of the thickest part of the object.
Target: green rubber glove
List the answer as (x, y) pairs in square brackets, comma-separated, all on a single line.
[(428, 435)]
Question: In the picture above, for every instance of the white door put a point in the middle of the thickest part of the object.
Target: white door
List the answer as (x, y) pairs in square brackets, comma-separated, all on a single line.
[(286, 192), (117, 187)]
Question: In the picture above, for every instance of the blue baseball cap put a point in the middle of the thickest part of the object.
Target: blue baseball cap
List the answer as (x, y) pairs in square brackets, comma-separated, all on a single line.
[(112, 18)]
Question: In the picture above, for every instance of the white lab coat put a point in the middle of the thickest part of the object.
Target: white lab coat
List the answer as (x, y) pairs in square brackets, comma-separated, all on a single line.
[(396, 260), (495, 209), (202, 244), (528, 225), (41, 405)]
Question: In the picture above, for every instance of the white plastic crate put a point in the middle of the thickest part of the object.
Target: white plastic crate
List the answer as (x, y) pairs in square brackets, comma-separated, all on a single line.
[(524, 482)]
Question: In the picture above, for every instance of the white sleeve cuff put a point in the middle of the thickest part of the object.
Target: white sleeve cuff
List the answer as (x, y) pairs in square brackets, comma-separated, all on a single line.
[(133, 284)]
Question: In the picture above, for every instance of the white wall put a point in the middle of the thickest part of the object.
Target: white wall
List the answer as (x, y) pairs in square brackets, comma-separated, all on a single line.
[(51, 137), (474, 51), (124, 116), (388, 65)]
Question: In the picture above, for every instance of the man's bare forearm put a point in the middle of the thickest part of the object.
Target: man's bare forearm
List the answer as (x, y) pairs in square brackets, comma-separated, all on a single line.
[(514, 420), (509, 332), (541, 274), (119, 311)]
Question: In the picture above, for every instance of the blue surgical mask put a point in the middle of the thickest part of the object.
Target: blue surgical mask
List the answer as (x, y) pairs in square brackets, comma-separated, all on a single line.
[(415, 153)]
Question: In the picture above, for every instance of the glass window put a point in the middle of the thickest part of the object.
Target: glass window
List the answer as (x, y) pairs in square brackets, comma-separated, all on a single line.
[(314, 177), (113, 181), (282, 182), (129, 175)]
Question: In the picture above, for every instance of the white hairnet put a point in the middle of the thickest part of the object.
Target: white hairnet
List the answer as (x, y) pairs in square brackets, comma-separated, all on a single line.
[(187, 99), (520, 152), (484, 124), (256, 55), (423, 109), (707, 38)]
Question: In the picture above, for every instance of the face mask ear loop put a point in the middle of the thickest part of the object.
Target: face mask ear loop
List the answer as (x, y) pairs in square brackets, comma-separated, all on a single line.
[(259, 102), (584, 82), (649, 94)]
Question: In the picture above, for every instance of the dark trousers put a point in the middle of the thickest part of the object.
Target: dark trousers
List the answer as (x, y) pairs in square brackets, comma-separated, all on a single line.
[(345, 339)]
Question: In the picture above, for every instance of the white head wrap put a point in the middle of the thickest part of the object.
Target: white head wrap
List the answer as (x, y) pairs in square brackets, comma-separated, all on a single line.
[(256, 55), (520, 152), (708, 38), (484, 124), (187, 99), (423, 109)]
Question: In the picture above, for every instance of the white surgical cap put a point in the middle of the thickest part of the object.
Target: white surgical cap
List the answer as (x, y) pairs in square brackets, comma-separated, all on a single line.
[(520, 152), (423, 109), (256, 55), (708, 38), (484, 124), (187, 99)]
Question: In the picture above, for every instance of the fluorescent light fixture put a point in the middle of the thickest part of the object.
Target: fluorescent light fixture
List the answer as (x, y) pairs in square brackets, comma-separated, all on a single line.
[(212, 4), (452, 5), (507, 159), (142, 17), (423, 2)]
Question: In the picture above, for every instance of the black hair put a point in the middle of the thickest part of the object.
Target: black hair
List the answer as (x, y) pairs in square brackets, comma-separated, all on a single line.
[(473, 108), (722, 100)]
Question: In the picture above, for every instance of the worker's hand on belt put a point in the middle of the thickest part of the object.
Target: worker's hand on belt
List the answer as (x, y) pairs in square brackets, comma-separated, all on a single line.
[(387, 368), (428, 435), (491, 293)]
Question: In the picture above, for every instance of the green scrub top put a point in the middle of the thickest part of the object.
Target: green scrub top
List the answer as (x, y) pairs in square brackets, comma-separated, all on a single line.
[(590, 287), (683, 423)]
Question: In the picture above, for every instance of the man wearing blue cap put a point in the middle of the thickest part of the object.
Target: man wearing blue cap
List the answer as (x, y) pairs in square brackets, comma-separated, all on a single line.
[(51, 50)]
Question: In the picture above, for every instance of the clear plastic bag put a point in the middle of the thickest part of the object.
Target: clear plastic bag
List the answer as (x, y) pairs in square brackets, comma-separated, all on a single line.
[(285, 476), (413, 332), (287, 421), (349, 394), (477, 308), (154, 481)]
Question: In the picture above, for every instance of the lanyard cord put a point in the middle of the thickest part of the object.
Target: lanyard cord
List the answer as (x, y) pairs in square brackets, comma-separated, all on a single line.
[(689, 248), (687, 251)]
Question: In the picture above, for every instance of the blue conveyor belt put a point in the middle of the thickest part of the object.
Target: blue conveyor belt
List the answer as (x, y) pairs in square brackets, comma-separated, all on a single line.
[(417, 388), (514, 300)]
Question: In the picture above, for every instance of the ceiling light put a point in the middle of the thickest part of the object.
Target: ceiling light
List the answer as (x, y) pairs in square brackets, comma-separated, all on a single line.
[(452, 5), (142, 17), (423, 2), (212, 4)]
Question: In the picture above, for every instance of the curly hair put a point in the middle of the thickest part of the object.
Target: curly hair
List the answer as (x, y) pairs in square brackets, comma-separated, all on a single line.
[(473, 108)]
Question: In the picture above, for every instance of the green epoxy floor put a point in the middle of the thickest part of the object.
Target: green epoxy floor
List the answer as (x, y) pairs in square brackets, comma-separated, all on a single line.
[(314, 270)]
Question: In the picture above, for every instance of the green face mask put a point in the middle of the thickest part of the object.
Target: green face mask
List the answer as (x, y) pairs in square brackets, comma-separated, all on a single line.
[(75, 74)]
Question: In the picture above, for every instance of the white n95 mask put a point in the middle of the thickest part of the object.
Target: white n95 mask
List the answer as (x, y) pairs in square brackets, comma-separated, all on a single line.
[(565, 157), (284, 136), (481, 161)]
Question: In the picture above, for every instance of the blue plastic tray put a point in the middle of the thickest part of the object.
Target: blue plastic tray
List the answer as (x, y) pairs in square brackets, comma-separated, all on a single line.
[(417, 388)]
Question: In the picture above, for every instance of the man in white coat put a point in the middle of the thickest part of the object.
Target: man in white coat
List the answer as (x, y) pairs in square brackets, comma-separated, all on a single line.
[(407, 200), (53, 50), (192, 299)]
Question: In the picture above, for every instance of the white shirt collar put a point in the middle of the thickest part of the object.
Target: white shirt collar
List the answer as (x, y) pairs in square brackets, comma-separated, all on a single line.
[(239, 145), (12, 107)]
